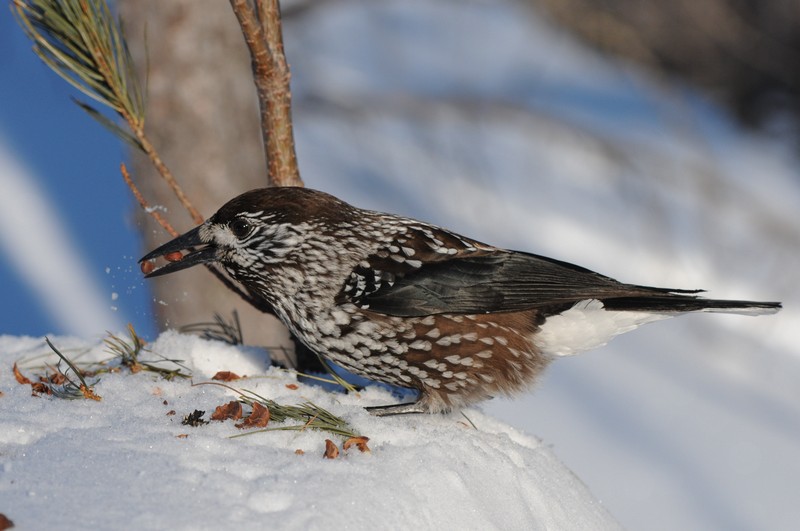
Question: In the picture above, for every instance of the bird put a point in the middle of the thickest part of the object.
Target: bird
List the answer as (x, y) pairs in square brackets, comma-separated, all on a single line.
[(413, 305)]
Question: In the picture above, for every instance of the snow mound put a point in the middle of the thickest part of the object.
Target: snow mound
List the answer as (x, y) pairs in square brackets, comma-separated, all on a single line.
[(121, 463)]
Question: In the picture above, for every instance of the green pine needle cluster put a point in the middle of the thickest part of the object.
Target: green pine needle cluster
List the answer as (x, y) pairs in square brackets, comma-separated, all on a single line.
[(128, 351), (70, 389), (84, 43), (310, 416)]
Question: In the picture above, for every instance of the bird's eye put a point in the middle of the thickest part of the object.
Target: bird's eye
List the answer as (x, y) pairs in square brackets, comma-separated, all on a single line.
[(240, 227)]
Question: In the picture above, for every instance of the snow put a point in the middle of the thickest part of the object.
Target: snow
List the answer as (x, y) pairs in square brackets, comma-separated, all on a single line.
[(120, 463)]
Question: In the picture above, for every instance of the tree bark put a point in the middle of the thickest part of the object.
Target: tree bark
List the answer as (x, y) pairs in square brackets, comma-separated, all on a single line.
[(203, 116)]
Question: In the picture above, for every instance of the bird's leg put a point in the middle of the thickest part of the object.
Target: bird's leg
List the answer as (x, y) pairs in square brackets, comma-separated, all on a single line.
[(397, 409)]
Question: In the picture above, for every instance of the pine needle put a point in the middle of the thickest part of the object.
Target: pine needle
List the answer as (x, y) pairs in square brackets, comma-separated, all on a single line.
[(84, 43), (128, 352), (350, 388), (308, 414), (70, 389), (219, 330)]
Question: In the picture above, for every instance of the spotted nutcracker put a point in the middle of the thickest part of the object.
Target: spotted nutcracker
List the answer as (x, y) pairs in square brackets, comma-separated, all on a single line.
[(403, 302)]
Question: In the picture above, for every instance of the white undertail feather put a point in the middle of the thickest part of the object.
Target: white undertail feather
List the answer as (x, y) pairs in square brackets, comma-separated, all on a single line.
[(588, 325)]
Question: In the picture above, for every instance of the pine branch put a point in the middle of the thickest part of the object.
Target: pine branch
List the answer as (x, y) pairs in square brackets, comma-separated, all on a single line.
[(261, 26), (308, 414), (82, 42)]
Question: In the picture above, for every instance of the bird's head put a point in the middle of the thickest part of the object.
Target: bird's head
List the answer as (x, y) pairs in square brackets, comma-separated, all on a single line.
[(254, 232)]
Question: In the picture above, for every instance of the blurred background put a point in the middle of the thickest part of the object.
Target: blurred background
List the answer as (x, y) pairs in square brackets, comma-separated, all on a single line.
[(655, 142)]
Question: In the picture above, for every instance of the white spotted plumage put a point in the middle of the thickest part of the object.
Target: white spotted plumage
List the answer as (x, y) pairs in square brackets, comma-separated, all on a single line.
[(414, 305)]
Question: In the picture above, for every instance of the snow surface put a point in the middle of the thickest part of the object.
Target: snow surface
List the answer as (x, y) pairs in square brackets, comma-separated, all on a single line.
[(119, 463)]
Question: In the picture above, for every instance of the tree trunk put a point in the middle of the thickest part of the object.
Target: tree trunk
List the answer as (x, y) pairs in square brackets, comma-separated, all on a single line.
[(202, 115)]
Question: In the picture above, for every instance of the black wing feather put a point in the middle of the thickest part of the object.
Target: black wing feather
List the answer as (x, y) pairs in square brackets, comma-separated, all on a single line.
[(428, 270), (500, 281)]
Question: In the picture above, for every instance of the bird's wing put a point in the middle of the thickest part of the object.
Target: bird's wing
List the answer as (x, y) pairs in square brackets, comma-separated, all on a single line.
[(445, 273)]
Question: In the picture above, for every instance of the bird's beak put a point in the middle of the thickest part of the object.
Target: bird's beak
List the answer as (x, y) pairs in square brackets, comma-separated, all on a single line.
[(200, 253)]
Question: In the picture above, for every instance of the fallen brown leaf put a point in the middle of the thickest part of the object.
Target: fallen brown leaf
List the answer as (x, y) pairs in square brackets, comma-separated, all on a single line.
[(20, 377), (299, 452), (182, 436), (258, 418), (331, 450), (170, 412), (231, 410), (40, 388), (226, 376), (37, 388), (5, 523), (293, 387), (359, 442)]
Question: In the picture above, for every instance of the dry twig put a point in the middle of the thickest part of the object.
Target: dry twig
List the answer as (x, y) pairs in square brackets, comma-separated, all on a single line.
[(144, 204)]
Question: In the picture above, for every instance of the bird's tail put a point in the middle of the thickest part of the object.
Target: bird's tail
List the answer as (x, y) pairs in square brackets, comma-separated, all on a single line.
[(680, 303)]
